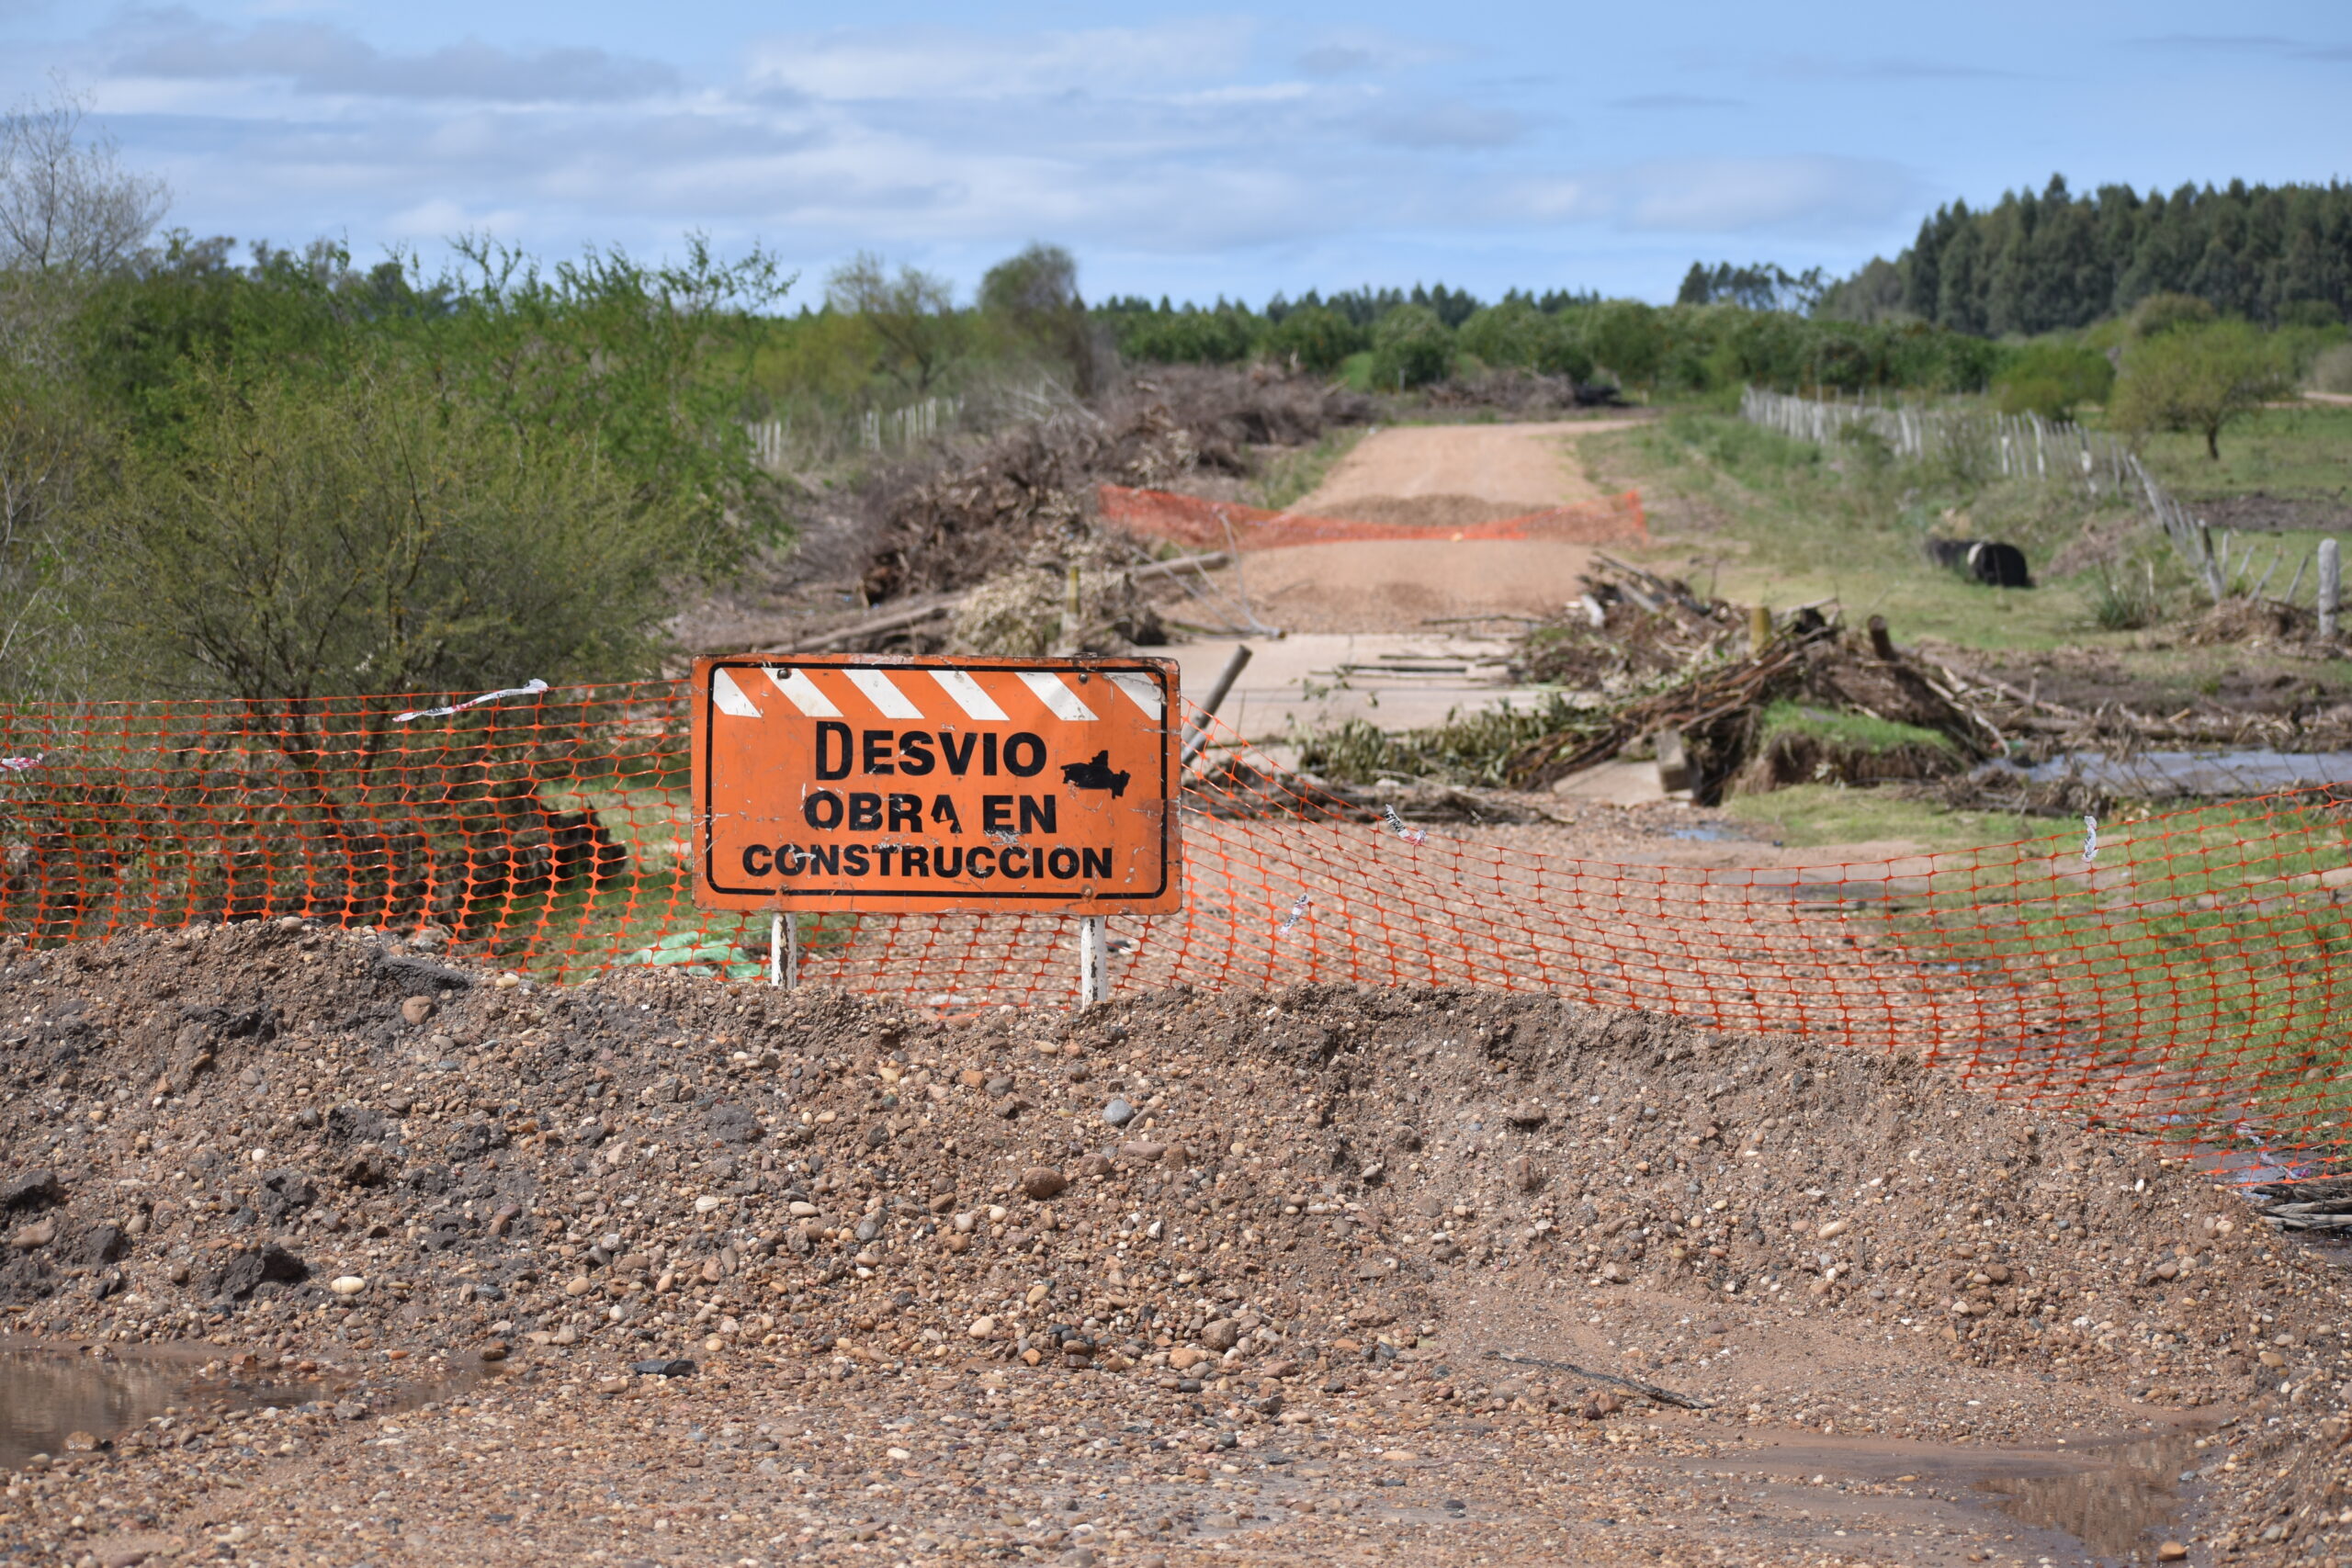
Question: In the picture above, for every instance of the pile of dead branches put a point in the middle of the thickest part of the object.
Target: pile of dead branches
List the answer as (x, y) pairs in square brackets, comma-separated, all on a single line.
[(951, 526), (1627, 627)]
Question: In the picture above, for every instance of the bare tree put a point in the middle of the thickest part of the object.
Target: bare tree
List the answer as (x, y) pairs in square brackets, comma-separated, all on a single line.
[(67, 204), (911, 316)]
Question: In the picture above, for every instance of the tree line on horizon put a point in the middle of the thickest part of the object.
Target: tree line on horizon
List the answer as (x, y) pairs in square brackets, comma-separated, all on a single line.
[(2054, 260)]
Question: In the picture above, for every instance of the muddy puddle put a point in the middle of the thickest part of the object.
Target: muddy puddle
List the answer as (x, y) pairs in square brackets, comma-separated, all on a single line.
[(2159, 776), (2117, 1497), (2117, 1504), (55, 1396)]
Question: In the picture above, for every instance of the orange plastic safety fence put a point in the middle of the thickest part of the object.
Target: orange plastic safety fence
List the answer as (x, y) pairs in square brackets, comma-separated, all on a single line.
[(1217, 526), (2176, 974)]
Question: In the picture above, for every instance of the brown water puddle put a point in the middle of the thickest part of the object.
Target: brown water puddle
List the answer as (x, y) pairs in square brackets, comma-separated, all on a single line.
[(49, 1391), (2114, 1495)]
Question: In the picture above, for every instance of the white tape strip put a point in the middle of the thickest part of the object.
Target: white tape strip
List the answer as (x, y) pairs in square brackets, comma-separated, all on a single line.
[(1142, 689), (1055, 693), (880, 690), (802, 692), (729, 699), (528, 689), (19, 764), (967, 694), (2090, 839)]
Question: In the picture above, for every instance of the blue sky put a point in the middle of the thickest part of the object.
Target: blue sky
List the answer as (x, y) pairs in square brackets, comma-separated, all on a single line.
[(1182, 150)]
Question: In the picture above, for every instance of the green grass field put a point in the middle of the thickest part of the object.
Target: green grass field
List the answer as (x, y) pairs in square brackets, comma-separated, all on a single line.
[(1763, 519), (2303, 452)]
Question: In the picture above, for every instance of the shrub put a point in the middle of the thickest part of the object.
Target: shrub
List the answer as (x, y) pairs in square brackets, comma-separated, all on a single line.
[(1411, 347), (1187, 337), (1627, 338), (2332, 371), (2161, 313), (374, 536), (2052, 378), (2122, 603), (1317, 337)]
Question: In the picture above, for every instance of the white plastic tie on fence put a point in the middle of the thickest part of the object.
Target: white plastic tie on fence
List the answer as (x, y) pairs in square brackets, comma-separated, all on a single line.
[(19, 764), (2090, 839), (530, 689), (1398, 826), (1297, 913)]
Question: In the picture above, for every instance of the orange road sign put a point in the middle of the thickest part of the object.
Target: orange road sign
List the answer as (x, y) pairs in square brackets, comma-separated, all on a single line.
[(862, 781)]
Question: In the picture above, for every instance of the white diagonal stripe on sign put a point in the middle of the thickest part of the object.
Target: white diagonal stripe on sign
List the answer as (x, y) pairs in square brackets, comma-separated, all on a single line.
[(729, 699), (802, 692), (1055, 694), (1142, 689), (879, 689), (976, 702)]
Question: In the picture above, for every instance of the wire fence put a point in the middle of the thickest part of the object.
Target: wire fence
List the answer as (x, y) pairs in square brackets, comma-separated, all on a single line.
[(1984, 442), (2177, 974), (806, 435)]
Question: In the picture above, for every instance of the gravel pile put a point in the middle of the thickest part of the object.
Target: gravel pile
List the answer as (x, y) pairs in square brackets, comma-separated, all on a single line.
[(336, 1157)]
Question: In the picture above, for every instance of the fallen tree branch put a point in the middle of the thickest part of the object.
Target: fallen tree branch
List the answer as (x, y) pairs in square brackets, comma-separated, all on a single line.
[(1648, 1391)]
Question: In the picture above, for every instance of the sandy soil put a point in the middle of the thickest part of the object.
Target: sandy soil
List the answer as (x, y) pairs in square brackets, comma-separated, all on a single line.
[(1403, 585)]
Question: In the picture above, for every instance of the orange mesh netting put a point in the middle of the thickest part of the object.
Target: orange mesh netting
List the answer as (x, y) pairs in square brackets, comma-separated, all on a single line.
[(2175, 974), (1219, 524)]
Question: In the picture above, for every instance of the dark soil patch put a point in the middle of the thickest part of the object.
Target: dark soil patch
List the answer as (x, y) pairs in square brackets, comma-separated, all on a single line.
[(2261, 513)]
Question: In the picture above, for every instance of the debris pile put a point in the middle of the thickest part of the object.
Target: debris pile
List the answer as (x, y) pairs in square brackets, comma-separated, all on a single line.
[(1646, 659), (1079, 598), (959, 525)]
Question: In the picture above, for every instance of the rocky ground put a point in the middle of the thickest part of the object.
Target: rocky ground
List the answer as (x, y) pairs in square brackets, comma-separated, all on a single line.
[(665, 1269)]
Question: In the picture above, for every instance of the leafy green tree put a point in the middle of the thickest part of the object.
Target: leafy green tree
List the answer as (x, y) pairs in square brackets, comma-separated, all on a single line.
[(650, 364), (2198, 378), (2052, 380), (1034, 294), (1627, 338), (375, 535), (911, 318), (50, 450), (1501, 335), (1317, 337), (2160, 313), (1558, 348), (1188, 336), (1410, 347)]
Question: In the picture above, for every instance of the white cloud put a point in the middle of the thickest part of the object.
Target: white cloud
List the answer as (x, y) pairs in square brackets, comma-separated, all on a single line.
[(1709, 196), (917, 65), (322, 58)]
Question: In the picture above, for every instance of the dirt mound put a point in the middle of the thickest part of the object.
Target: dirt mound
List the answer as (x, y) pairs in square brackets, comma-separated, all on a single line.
[(1432, 510), (326, 1146)]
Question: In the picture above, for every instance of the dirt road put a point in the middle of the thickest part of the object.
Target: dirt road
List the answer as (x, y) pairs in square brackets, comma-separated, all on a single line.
[(1436, 477), (1449, 474)]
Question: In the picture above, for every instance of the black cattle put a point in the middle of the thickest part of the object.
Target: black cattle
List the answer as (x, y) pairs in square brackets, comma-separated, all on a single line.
[(1982, 561)]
